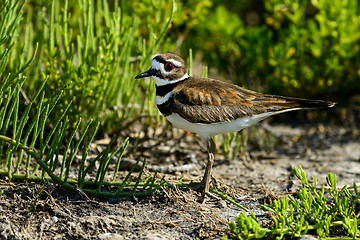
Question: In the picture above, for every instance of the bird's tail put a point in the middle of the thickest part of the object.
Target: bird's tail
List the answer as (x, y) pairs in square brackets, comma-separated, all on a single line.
[(305, 103), (284, 104)]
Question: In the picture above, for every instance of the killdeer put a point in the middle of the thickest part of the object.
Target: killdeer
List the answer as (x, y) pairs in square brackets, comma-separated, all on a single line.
[(209, 107)]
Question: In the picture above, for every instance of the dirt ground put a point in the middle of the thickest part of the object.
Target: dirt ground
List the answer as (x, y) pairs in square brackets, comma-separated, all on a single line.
[(45, 211)]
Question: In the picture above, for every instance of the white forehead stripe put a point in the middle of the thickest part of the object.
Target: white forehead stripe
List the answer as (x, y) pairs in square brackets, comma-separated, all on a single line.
[(157, 65), (175, 62)]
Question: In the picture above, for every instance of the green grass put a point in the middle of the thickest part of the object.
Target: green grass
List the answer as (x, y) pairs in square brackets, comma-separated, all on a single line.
[(325, 214), (55, 152), (57, 82), (95, 47)]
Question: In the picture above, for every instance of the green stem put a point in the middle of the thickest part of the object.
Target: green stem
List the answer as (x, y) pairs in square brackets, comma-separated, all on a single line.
[(226, 198), (72, 184)]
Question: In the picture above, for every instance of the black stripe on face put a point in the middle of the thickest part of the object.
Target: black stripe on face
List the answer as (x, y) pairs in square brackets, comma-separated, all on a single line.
[(163, 90), (160, 59), (157, 73), (165, 108)]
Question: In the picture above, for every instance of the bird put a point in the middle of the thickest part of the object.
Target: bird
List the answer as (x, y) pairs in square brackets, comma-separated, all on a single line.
[(208, 107)]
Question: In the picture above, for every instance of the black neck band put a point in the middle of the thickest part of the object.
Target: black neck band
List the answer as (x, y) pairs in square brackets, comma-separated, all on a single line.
[(163, 90)]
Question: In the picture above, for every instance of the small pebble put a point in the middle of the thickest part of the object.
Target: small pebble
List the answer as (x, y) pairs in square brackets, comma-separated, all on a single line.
[(221, 204)]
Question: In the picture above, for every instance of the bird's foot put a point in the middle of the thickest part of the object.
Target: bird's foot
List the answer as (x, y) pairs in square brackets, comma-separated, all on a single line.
[(204, 187)]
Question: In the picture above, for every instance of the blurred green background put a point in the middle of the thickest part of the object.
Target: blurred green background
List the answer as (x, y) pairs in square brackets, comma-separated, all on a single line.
[(290, 47), (302, 48)]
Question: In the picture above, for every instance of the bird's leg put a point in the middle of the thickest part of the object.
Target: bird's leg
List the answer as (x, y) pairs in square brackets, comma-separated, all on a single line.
[(207, 175)]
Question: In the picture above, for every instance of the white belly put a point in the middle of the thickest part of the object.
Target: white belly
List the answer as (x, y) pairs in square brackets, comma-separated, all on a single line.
[(208, 130)]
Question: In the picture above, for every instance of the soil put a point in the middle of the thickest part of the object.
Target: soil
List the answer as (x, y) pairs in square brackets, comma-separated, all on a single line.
[(260, 173)]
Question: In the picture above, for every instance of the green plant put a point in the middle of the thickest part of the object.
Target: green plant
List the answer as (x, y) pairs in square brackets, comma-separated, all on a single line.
[(301, 48), (51, 148), (313, 54), (313, 212), (29, 140), (96, 47)]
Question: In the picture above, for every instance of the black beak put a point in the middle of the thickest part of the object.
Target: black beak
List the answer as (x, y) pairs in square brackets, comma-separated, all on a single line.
[(148, 73)]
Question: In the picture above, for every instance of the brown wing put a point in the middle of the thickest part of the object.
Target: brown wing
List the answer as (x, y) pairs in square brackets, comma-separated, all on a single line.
[(210, 101)]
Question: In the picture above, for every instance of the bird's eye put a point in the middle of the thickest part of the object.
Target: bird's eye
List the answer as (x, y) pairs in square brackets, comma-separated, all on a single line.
[(169, 66)]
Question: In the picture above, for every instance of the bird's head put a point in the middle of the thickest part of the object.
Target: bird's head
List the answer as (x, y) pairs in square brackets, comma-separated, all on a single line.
[(165, 69)]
